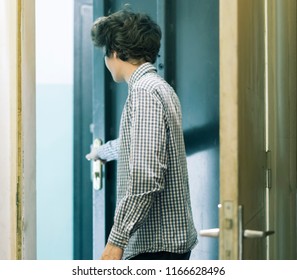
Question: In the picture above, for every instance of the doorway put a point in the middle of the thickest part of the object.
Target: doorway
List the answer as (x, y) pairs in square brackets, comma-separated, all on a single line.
[(189, 60)]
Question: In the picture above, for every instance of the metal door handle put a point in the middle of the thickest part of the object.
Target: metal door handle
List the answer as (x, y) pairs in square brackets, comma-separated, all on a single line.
[(212, 232), (243, 233), (248, 233), (97, 168)]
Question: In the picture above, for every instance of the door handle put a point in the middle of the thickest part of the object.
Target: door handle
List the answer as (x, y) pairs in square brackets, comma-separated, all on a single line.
[(97, 168), (212, 232), (243, 233), (248, 233)]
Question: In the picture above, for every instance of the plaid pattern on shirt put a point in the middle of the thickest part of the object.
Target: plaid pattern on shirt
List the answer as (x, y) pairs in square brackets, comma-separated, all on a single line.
[(153, 200)]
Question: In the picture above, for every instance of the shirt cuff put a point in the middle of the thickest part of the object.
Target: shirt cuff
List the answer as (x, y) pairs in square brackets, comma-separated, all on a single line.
[(118, 239)]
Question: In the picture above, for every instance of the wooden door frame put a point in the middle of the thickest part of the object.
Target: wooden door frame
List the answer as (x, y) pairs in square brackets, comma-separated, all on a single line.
[(229, 145), (18, 141)]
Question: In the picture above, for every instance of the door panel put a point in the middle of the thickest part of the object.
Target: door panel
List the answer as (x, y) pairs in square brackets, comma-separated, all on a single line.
[(196, 80), (251, 114), (282, 127), (242, 127)]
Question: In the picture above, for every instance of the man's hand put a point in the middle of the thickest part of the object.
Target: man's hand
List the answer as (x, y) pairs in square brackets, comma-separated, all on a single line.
[(112, 252), (94, 154)]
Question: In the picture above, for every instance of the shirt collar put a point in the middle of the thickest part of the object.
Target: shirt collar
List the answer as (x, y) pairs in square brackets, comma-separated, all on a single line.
[(140, 71)]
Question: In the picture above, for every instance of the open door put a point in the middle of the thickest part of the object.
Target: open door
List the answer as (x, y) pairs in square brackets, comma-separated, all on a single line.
[(242, 130), (257, 130)]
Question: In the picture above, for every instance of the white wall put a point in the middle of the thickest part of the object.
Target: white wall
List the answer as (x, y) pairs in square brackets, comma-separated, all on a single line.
[(54, 34), (54, 100)]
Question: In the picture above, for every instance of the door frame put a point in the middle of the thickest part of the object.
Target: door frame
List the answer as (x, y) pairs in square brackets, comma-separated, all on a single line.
[(229, 145), (242, 128), (18, 141), (82, 185)]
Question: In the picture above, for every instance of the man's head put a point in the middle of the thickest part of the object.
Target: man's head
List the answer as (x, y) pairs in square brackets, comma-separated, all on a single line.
[(133, 37)]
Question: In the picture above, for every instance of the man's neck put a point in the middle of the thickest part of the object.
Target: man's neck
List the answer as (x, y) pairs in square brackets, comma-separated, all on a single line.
[(130, 68)]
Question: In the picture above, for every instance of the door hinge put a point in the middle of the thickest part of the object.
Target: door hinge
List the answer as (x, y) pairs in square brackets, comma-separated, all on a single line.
[(268, 170)]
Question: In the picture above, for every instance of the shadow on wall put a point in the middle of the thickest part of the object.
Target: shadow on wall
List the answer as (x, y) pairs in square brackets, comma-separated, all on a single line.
[(201, 138)]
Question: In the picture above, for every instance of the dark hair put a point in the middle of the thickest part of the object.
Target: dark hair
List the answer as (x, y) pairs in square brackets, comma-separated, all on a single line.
[(131, 35)]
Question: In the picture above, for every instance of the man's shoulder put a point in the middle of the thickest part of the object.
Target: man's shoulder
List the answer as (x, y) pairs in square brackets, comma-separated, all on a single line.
[(152, 82)]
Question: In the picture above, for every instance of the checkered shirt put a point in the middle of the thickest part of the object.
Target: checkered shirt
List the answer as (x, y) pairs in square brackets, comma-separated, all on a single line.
[(153, 210)]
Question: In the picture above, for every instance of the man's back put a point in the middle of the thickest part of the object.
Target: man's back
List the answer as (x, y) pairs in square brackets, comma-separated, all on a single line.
[(153, 192)]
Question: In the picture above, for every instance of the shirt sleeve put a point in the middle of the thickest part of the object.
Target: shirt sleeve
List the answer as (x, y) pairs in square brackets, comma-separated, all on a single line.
[(109, 151), (147, 167)]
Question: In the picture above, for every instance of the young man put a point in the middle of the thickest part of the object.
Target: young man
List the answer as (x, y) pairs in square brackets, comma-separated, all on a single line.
[(153, 218)]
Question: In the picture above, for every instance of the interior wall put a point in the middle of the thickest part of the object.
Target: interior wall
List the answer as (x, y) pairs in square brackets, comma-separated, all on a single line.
[(54, 128)]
